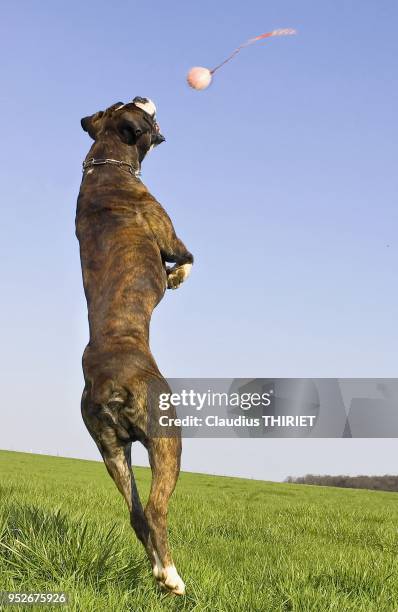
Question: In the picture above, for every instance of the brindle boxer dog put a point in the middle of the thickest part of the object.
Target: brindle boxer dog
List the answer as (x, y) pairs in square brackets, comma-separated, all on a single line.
[(126, 238)]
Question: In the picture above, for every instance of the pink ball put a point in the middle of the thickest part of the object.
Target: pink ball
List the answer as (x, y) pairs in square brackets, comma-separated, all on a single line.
[(199, 77)]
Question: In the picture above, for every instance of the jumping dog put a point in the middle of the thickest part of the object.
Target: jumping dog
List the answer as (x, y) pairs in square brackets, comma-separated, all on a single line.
[(126, 239)]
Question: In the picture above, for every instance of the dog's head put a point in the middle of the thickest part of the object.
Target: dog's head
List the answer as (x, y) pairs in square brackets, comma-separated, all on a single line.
[(134, 123)]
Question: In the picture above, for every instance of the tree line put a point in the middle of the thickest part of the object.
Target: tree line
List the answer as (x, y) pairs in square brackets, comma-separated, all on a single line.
[(387, 482)]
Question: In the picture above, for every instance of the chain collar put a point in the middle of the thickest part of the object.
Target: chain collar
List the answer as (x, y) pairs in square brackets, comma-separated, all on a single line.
[(115, 162)]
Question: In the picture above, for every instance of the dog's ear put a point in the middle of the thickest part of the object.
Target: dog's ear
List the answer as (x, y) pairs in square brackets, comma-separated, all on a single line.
[(116, 106), (92, 124)]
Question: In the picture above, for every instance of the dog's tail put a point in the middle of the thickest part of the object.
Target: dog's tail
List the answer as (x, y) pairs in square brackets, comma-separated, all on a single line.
[(108, 392)]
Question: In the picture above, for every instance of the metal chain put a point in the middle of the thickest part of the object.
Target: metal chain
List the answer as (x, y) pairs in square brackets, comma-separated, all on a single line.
[(115, 162)]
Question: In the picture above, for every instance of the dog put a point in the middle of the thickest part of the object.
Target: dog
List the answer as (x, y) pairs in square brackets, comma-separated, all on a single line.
[(126, 239)]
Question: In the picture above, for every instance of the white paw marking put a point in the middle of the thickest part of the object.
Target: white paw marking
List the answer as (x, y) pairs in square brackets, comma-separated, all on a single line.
[(178, 274), (186, 269), (173, 581)]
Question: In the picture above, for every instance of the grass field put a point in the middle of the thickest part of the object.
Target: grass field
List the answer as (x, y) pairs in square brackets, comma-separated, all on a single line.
[(240, 545)]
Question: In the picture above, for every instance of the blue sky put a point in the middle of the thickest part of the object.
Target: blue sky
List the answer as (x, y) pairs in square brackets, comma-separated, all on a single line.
[(280, 178)]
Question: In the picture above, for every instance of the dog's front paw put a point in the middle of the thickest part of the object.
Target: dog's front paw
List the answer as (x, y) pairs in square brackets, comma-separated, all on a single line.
[(177, 275)]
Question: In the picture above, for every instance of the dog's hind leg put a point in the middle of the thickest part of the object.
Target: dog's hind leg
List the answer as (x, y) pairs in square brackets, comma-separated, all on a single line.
[(138, 518), (116, 455), (164, 458), (118, 464)]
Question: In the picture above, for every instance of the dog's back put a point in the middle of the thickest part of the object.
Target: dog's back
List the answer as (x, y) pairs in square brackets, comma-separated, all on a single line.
[(124, 279)]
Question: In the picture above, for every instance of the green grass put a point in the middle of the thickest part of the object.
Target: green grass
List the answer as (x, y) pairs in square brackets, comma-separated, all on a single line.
[(240, 545)]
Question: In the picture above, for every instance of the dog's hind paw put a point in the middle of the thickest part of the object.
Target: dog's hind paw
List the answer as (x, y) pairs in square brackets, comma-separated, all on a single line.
[(171, 581), (177, 275)]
